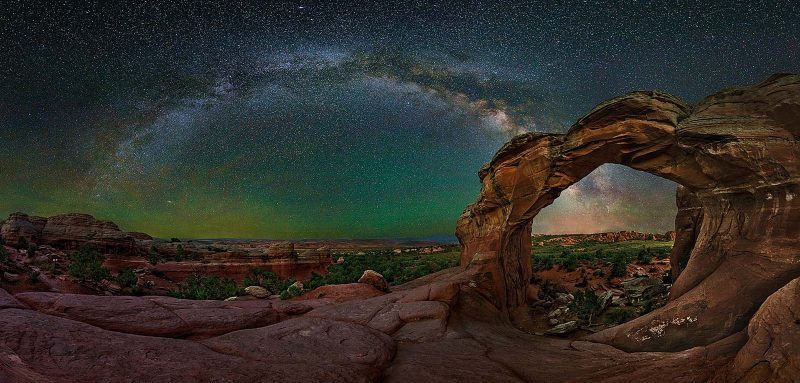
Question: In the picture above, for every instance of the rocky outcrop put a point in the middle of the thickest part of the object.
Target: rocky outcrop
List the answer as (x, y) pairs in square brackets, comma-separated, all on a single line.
[(371, 277), (20, 228), (736, 152), (687, 228), (67, 232), (772, 351)]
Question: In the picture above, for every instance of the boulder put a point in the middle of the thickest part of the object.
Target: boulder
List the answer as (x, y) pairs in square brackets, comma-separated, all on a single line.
[(257, 291), (375, 279), (563, 329)]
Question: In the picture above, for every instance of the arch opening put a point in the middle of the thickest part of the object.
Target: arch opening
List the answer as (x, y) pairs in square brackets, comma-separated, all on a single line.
[(600, 253)]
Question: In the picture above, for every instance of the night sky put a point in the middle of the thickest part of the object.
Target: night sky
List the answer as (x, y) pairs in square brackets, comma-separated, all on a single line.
[(329, 119)]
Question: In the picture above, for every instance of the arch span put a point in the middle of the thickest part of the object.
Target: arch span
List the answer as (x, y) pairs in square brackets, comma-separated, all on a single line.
[(735, 153)]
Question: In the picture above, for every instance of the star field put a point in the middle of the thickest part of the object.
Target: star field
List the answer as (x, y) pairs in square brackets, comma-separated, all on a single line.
[(306, 119)]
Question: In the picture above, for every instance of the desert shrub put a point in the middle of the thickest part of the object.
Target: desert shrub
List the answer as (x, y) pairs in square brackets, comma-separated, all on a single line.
[(4, 257), (127, 278), (291, 292), (32, 250), (585, 306), (157, 273), (396, 269), (22, 243), (643, 256), (173, 240), (266, 279), (153, 258), (620, 315), (179, 254), (205, 287), (619, 265), (548, 290), (541, 262), (87, 265), (34, 276), (568, 262)]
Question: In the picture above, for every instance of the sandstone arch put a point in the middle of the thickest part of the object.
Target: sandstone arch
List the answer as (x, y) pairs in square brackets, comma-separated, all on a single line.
[(735, 154)]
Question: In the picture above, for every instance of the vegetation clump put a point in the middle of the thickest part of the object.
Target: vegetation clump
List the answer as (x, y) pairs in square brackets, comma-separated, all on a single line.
[(205, 287), (87, 265), (127, 278), (586, 306), (396, 269)]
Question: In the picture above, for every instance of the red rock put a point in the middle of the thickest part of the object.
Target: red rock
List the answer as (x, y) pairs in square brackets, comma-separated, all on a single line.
[(68, 231), (20, 227), (415, 311), (153, 316), (342, 293), (772, 351), (687, 228), (329, 350), (736, 151), (373, 278), (8, 301)]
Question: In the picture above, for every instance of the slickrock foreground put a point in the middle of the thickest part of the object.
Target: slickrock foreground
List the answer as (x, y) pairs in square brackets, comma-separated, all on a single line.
[(733, 314)]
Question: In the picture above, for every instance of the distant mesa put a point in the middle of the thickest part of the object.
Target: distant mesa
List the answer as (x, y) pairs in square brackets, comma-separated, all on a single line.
[(126, 249)]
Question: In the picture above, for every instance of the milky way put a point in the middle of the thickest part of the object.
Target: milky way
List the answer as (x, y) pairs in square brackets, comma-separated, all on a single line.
[(329, 119)]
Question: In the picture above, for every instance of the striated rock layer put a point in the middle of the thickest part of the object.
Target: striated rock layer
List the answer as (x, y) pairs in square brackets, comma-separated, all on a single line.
[(735, 153)]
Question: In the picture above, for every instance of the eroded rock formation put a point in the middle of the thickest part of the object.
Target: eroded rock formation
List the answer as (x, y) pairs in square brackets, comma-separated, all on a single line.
[(733, 314), (67, 231), (735, 152)]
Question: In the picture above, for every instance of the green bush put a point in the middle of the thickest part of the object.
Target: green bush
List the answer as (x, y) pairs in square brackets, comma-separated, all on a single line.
[(541, 262), (619, 265), (127, 278), (179, 255), (568, 261), (586, 305), (32, 250), (4, 256), (205, 287), (643, 257), (153, 258), (620, 315), (34, 276), (87, 265), (291, 292), (396, 269), (266, 279)]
